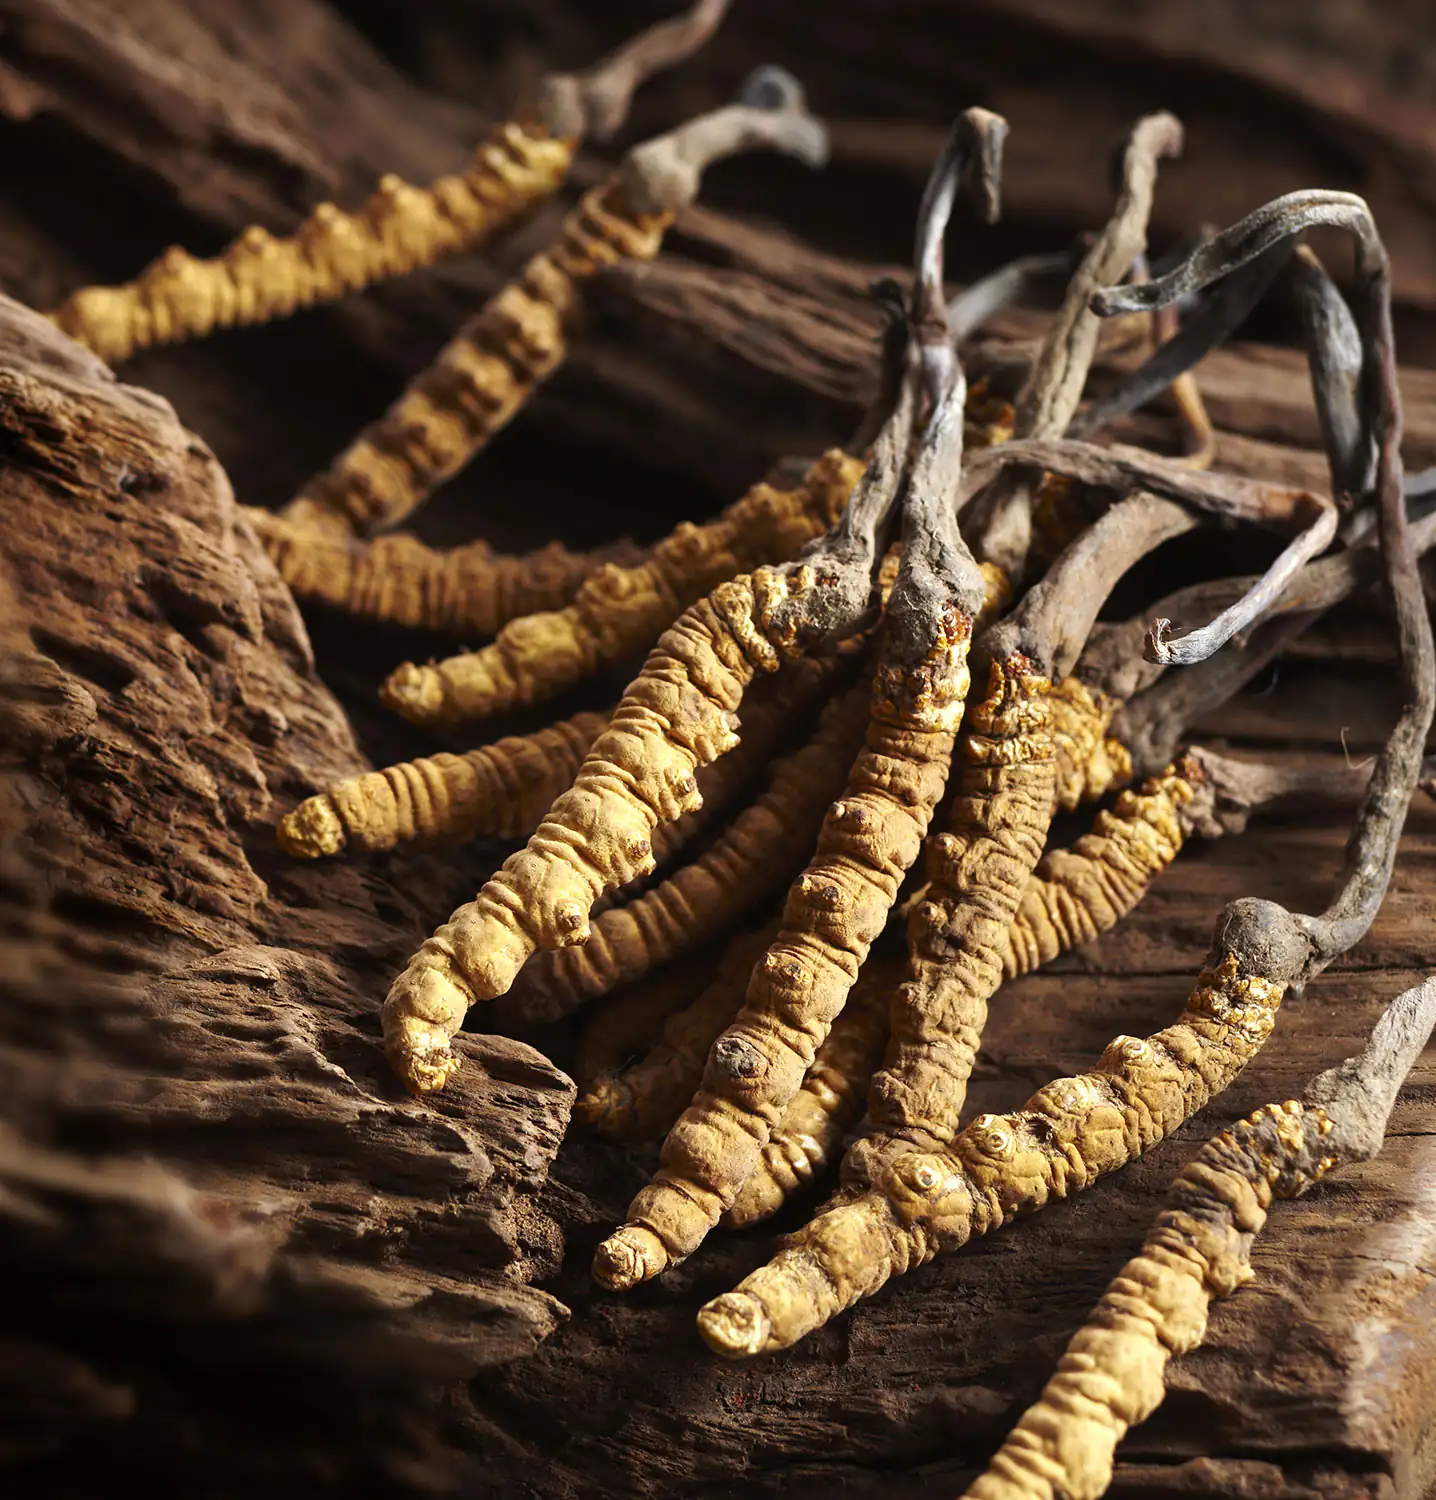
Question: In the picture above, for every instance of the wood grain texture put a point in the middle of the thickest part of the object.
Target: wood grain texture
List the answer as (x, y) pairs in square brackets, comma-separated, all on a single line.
[(246, 1259)]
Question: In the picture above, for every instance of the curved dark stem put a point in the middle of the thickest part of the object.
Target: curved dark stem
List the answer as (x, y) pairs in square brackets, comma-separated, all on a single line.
[(1000, 289), (1113, 660), (973, 149), (1197, 645), (1055, 616), (891, 301), (1154, 724), (1233, 790), (1122, 468), (1214, 321), (596, 101), (1059, 373), (1334, 358), (1281, 222), (1371, 852)]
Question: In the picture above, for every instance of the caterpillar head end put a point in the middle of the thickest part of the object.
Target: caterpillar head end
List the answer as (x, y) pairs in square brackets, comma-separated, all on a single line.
[(422, 1070), (629, 1256), (312, 830), (734, 1325), (414, 693)]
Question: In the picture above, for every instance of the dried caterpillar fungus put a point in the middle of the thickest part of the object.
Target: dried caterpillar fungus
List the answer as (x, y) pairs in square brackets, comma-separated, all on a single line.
[(957, 934), (835, 910), (839, 906), (499, 791), (830, 1100), (750, 861), (468, 590), (1111, 1375), (261, 277), (485, 373), (619, 610), (401, 228), (1069, 1133), (643, 1101)]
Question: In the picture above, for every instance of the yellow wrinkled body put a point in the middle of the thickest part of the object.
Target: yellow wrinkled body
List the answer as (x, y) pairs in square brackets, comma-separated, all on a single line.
[(1112, 1374), (480, 379), (499, 791), (467, 590), (836, 909), (260, 277), (620, 610)]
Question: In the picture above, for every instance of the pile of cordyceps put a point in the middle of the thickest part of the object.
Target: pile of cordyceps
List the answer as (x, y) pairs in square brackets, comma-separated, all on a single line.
[(908, 633)]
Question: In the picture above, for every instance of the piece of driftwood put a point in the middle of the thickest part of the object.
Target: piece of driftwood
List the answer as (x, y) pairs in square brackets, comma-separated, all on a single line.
[(235, 1255), (205, 1161)]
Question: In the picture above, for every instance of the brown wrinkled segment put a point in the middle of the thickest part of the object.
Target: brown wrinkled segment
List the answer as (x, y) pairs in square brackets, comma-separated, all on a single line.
[(678, 714), (260, 277), (957, 934), (1077, 893), (829, 1103), (1089, 762), (1111, 1375), (480, 379), (468, 590), (619, 610), (836, 909), (642, 1102), (747, 864), (1072, 1131), (500, 791)]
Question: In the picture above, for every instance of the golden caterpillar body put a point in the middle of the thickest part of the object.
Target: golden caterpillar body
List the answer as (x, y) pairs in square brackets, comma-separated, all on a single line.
[(748, 863), (1089, 763), (957, 935), (835, 910), (260, 277), (481, 378), (678, 714), (465, 591), (642, 1102), (1078, 893), (831, 1099), (1111, 1375), (1070, 1133), (500, 791), (619, 610)]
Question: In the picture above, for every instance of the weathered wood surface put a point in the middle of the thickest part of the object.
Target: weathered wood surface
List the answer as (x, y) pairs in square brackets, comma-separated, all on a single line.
[(245, 1259)]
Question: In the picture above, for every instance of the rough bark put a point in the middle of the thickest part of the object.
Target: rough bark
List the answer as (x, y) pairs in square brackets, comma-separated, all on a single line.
[(235, 1255)]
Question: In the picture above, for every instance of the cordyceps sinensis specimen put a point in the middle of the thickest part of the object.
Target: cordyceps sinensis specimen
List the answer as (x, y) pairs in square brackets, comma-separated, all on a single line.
[(642, 1101), (838, 907), (260, 278), (465, 591), (481, 379), (1074, 1130), (1111, 1375), (681, 713), (618, 610), (747, 864), (497, 792)]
